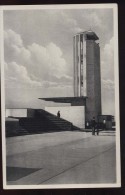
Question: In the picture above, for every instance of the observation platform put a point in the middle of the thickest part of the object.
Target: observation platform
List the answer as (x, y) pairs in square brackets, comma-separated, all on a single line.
[(90, 35)]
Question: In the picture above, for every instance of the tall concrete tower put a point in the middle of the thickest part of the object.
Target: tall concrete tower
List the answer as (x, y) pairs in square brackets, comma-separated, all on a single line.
[(87, 77)]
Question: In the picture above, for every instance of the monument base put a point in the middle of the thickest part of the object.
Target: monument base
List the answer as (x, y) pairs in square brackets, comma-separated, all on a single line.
[(73, 114)]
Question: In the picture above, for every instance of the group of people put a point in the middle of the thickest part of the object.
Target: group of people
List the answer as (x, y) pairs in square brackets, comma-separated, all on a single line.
[(95, 126)]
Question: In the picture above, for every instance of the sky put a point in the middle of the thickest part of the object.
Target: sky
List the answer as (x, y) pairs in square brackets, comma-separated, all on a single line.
[(38, 54)]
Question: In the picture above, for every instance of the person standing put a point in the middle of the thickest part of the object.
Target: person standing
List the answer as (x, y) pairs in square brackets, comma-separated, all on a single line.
[(58, 114), (93, 122)]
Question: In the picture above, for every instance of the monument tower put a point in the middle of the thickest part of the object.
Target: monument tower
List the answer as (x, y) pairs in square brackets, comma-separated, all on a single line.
[(87, 76), (86, 102)]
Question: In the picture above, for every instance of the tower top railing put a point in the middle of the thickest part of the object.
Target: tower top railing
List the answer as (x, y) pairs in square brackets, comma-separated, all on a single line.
[(90, 35)]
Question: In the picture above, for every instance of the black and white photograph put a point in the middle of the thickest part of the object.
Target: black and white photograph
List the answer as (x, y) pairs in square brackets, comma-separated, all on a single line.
[(60, 96)]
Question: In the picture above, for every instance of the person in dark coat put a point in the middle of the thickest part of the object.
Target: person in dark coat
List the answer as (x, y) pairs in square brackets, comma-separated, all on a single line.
[(93, 123), (58, 114)]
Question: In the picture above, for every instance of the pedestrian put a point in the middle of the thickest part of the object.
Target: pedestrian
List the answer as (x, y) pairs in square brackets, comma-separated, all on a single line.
[(58, 114), (87, 124), (93, 123), (104, 124)]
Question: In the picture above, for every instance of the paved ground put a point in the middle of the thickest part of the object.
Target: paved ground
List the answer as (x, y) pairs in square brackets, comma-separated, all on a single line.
[(61, 158)]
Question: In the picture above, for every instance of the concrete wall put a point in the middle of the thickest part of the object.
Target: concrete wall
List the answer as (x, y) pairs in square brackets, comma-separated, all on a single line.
[(90, 103), (31, 112), (109, 125), (76, 64), (93, 103), (74, 114), (16, 112), (97, 80)]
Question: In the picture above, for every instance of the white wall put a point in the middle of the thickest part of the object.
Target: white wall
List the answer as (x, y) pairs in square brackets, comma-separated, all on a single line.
[(74, 114), (16, 112)]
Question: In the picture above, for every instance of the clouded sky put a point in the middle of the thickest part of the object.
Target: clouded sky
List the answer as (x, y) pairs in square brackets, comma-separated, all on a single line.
[(39, 54)]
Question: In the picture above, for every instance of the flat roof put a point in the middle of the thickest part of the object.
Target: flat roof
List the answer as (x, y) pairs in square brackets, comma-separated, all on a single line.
[(64, 99)]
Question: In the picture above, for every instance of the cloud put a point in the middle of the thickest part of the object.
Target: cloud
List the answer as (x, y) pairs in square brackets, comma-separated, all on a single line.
[(48, 60), (17, 76), (108, 84), (107, 75), (108, 97), (14, 48), (93, 19), (35, 65), (107, 60), (109, 49), (69, 22), (13, 38), (28, 97)]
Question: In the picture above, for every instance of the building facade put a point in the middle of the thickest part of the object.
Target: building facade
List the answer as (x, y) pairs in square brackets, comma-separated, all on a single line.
[(87, 76)]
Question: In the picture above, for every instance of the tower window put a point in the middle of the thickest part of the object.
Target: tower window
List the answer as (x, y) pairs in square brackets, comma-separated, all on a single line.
[(81, 45), (82, 80), (82, 83)]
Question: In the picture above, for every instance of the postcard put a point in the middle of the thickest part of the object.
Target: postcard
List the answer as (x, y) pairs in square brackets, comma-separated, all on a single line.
[(60, 96)]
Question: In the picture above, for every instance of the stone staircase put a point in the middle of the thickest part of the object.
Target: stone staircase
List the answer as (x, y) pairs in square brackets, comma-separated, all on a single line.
[(41, 122), (44, 121), (14, 129)]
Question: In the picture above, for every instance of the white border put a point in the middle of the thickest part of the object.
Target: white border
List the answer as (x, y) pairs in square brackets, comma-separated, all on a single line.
[(2, 98), (62, 6), (117, 113), (73, 6)]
